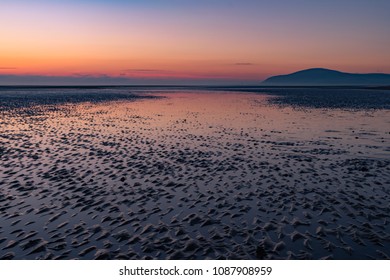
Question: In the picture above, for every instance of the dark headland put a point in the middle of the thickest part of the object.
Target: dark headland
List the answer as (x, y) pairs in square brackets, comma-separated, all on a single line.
[(327, 77)]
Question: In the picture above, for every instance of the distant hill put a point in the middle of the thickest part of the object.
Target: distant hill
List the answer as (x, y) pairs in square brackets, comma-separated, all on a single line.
[(327, 77)]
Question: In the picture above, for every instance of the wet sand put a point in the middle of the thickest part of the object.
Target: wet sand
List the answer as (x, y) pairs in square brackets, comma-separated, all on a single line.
[(192, 175)]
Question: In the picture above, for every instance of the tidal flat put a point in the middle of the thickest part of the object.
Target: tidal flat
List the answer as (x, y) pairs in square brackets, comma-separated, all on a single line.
[(181, 173)]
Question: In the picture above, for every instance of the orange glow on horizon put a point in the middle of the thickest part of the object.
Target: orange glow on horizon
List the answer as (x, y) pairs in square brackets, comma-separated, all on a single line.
[(62, 39)]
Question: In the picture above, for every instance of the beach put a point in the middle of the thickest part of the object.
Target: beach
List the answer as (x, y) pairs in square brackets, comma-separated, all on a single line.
[(122, 173)]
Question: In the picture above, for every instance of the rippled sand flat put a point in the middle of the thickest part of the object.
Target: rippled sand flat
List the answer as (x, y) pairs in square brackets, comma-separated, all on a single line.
[(192, 175)]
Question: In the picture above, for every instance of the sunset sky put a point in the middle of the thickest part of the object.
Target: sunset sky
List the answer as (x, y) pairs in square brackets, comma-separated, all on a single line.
[(188, 42)]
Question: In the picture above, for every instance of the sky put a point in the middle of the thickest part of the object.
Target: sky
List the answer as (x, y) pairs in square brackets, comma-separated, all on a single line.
[(188, 42)]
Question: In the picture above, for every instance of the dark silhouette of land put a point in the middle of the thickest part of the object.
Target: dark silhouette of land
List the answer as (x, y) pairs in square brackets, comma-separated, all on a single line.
[(327, 77)]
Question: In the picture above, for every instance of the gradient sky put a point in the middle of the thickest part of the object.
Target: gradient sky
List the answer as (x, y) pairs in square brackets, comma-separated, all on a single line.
[(180, 41)]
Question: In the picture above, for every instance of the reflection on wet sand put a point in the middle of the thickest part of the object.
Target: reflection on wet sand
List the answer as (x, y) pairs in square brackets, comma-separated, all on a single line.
[(193, 175)]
